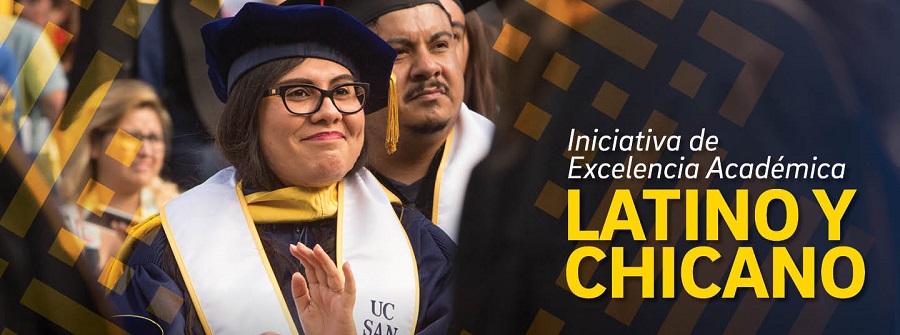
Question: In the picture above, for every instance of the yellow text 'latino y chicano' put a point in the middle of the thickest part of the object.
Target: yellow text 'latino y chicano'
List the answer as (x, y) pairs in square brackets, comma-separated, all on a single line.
[(622, 217)]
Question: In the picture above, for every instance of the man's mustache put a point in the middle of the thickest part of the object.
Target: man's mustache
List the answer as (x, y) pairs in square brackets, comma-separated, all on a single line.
[(416, 90)]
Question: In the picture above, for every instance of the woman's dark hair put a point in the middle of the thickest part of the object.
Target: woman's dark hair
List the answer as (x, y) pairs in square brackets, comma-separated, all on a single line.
[(237, 135)]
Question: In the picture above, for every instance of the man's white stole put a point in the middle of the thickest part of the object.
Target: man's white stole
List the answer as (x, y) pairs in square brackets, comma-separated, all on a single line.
[(469, 142), (231, 282)]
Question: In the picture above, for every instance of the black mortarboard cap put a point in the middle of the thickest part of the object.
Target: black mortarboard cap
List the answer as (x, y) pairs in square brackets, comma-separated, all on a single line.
[(260, 33), (368, 10)]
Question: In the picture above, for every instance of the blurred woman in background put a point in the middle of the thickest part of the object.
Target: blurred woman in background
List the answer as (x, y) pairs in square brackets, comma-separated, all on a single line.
[(473, 51), (112, 178)]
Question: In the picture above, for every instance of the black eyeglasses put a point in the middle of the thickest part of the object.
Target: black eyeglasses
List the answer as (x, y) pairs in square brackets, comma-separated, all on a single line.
[(304, 99)]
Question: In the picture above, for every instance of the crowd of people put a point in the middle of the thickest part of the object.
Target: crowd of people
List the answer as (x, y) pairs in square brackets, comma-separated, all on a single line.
[(345, 146)]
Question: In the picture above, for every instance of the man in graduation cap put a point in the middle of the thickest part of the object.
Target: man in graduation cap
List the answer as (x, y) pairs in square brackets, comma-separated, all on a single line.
[(441, 139)]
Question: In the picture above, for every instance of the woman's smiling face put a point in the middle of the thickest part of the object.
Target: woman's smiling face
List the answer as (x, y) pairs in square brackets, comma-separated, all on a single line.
[(313, 150)]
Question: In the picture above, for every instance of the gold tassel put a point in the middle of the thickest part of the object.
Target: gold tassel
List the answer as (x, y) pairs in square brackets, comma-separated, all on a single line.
[(392, 134)]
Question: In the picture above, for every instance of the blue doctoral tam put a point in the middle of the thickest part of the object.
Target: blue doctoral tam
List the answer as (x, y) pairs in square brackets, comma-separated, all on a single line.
[(261, 33)]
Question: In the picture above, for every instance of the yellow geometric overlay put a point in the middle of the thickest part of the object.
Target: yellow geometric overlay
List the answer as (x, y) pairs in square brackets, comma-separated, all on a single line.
[(667, 8), (165, 304), (84, 4), (30, 197), (760, 60), (552, 199), (67, 247), (532, 121), (545, 324), (210, 7), (32, 194), (687, 79), (95, 197), (123, 147), (149, 236), (561, 71), (40, 74), (5, 30), (600, 28), (113, 263), (610, 100), (65, 312), (37, 63), (511, 42), (129, 19), (6, 7)]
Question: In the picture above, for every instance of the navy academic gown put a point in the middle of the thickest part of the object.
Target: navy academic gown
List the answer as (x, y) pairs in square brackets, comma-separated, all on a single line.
[(154, 267)]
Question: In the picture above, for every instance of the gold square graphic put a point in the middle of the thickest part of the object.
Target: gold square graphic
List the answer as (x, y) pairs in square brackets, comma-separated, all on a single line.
[(511, 42), (67, 247), (95, 197), (149, 236), (123, 147), (545, 324), (667, 8), (210, 7), (552, 199), (127, 19), (165, 304), (532, 121), (114, 268), (687, 79), (610, 100), (561, 71)]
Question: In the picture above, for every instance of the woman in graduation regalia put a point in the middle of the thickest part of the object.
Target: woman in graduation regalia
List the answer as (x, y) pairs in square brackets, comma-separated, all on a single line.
[(220, 259)]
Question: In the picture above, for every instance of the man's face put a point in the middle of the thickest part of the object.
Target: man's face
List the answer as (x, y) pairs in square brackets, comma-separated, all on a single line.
[(429, 78)]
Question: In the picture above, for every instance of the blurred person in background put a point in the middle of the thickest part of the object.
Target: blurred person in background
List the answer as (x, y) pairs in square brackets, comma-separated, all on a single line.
[(38, 11), (130, 112), (64, 35), (10, 93), (157, 42), (38, 59), (42, 86), (63, 31), (473, 49)]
